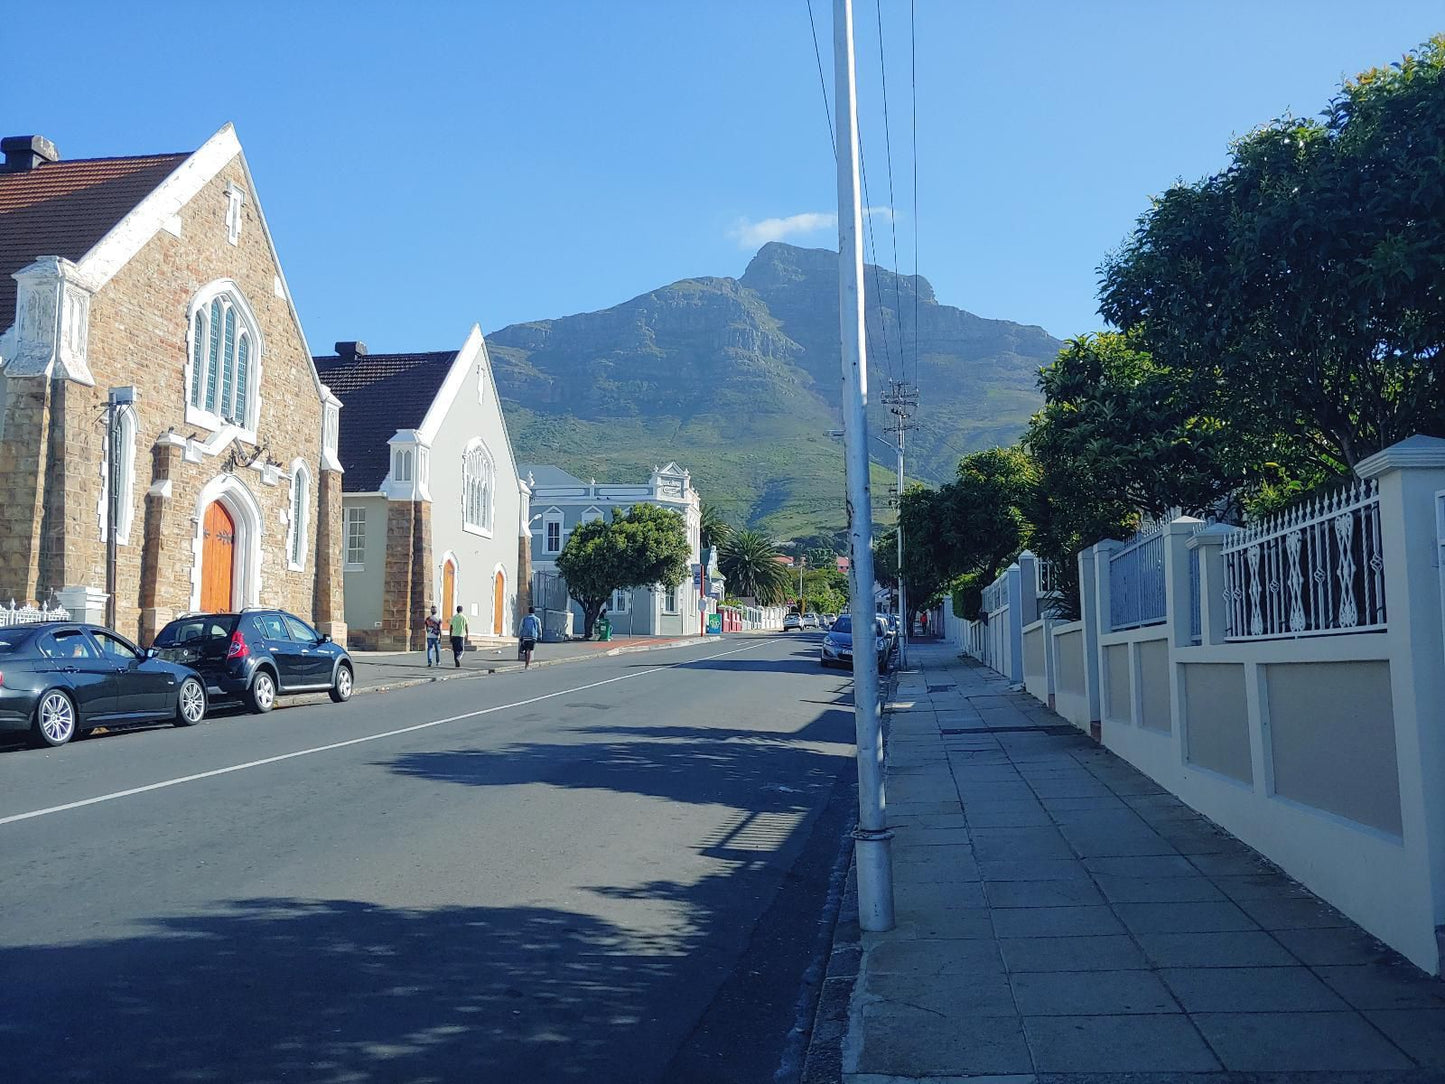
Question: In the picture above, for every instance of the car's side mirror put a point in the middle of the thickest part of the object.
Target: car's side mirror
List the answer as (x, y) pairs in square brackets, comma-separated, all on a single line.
[(325, 639), (152, 653)]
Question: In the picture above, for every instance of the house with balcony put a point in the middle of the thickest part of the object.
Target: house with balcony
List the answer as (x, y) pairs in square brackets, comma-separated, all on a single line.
[(561, 501)]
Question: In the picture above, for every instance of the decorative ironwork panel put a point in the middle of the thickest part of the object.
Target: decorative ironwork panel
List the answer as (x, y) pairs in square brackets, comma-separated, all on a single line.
[(1136, 579), (1314, 570)]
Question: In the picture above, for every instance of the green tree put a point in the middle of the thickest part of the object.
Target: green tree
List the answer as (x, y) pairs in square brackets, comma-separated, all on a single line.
[(1304, 286), (748, 560), (714, 529), (645, 547)]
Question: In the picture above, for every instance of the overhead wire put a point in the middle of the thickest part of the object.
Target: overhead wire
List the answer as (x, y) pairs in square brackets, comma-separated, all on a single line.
[(913, 79), (892, 206)]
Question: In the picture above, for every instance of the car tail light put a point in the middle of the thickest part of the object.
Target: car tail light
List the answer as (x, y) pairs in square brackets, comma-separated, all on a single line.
[(239, 648)]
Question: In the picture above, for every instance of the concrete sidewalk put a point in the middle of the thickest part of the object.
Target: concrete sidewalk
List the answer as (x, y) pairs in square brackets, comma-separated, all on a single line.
[(1061, 918)]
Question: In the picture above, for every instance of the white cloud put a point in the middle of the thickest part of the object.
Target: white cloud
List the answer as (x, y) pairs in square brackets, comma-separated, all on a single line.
[(750, 235)]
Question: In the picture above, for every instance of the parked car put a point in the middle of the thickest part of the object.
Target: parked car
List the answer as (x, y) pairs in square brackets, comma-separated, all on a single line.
[(57, 680), (810, 621), (828, 620), (837, 649), (792, 622), (255, 655)]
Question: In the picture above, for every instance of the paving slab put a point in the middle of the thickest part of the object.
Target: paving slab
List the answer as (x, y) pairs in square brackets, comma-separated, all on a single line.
[(1065, 921)]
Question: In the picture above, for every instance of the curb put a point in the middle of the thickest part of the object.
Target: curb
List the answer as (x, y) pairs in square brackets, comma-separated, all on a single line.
[(307, 699)]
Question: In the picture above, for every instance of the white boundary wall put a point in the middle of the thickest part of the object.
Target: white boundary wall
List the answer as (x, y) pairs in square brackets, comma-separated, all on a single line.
[(1326, 753)]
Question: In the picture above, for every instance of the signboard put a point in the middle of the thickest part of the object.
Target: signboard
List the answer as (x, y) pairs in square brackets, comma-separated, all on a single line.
[(697, 576), (714, 624)]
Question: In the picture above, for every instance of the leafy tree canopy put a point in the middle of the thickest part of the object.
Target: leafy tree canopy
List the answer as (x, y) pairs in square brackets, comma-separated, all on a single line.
[(1307, 279), (715, 530), (647, 546)]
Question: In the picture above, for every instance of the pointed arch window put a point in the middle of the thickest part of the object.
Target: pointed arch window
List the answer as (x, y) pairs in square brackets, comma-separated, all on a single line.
[(223, 361), (479, 483), (300, 506)]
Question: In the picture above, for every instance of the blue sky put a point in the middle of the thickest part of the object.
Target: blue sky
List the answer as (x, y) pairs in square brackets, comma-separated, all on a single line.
[(427, 165)]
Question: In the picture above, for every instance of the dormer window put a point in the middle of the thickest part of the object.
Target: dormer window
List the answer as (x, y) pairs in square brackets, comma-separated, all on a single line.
[(224, 361)]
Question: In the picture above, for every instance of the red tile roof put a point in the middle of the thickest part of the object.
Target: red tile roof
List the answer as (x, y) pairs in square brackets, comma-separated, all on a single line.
[(64, 208), (380, 393)]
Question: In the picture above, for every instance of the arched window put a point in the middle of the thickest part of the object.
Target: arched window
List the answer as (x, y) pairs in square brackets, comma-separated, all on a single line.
[(479, 481), (224, 359), (300, 506), (123, 449)]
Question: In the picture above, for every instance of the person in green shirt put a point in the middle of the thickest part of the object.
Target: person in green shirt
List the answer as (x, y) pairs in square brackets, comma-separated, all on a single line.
[(459, 636)]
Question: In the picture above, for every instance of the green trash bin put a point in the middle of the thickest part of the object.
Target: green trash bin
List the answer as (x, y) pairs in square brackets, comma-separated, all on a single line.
[(604, 629)]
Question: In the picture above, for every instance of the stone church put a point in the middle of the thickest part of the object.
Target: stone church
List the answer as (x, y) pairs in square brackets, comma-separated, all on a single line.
[(158, 273)]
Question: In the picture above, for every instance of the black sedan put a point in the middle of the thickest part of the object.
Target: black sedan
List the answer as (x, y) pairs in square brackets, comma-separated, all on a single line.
[(57, 680)]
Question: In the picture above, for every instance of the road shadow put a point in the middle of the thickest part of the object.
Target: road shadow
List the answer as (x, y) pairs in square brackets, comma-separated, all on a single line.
[(329, 991), (740, 767)]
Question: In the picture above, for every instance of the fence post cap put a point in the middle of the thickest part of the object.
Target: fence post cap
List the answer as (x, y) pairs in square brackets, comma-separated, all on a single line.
[(1183, 524), (1027, 555), (1213, 535), (1417, 451)]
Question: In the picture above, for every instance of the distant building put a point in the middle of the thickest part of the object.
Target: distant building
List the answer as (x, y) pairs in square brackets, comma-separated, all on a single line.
[(434, 513), (158, 273), (561, 501)]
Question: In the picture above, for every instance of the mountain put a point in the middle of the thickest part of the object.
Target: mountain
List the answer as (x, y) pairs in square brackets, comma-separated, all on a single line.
[(738, 380)]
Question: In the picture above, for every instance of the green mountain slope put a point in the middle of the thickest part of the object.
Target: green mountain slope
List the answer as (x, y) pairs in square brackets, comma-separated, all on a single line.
[(738, 380)]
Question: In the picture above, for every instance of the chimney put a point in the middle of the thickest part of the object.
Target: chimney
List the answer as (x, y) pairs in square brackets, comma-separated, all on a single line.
[(350, 351), (24, 153)]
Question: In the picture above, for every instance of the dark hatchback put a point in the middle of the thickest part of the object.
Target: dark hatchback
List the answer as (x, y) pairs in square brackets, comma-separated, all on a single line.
[(57, 680), (256, 655)]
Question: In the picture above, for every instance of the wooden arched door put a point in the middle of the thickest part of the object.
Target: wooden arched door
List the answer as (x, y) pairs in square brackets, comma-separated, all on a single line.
[(499, 604), (449, 591), (218, 558)]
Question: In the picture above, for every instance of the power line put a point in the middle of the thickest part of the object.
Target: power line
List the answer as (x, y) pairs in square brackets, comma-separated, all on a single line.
[(822, 82), (892, 216), (913, 78)]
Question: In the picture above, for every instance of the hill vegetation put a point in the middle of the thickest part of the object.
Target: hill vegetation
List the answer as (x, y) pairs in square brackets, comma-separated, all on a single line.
[(737, 379)]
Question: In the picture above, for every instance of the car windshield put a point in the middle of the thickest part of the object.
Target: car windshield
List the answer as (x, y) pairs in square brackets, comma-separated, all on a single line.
[(843, 624), (195, 630)]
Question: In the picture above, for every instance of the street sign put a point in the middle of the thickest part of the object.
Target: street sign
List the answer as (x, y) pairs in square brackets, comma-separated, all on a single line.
[(714, 624)]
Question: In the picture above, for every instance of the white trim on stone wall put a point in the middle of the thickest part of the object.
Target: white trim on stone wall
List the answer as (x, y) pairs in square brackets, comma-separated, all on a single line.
[(241, 503), (300, 476), (199, 415)]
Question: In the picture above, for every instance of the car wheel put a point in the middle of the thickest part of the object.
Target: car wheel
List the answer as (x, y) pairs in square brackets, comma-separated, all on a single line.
[(341, 691), (190, 703), (261, 696), (54, 719)]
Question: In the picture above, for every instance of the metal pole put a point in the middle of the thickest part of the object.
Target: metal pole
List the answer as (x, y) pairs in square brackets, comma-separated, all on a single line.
[(903, 614), (112, 481), (875, 868)]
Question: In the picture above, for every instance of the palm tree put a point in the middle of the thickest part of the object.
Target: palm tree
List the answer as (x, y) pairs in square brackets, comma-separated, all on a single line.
[(715, 529), (749, 560)]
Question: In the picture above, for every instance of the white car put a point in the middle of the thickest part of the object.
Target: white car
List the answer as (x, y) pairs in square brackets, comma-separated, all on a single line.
[(792, 623), (810, 621)]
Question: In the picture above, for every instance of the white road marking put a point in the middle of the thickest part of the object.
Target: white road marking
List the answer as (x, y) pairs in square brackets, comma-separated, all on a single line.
[(178, 780)]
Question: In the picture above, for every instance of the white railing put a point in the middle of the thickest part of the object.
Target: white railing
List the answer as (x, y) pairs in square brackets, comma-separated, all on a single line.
[(995, 595), (1136, 579), (1316, 570), (31, 615)]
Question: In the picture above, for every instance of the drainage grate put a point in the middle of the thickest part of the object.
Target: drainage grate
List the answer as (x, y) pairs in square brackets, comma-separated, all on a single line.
[(1051, 731), (941, 688)]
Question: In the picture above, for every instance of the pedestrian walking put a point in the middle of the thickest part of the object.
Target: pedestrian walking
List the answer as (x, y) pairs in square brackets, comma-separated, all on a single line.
[(923, 621), (459, 636), (530, 631), (433, 626)]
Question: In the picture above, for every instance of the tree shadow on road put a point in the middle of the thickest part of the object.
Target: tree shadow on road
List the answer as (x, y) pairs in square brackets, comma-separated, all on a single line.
[(338, 990), (755, 770)]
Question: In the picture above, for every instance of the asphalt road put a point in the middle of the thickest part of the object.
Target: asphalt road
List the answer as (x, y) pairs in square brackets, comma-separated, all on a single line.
[(606, 871)]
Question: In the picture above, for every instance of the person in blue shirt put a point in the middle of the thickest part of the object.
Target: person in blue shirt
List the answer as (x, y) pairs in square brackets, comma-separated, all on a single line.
[(530, 631)]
